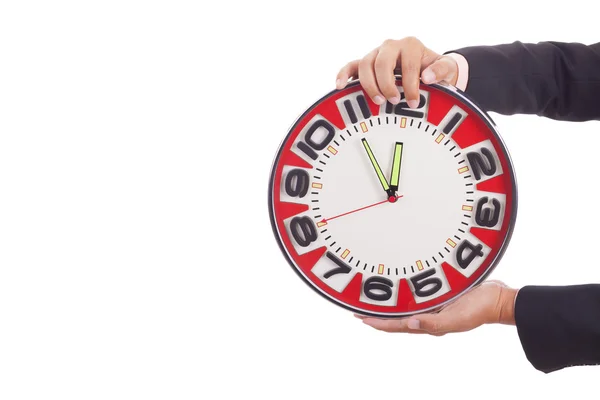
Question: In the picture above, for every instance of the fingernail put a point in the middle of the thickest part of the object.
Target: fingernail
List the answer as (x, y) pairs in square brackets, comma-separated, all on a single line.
[(395, 100), (413, 103), (413, 324), (428, 76), (338, 83), (378, 100)]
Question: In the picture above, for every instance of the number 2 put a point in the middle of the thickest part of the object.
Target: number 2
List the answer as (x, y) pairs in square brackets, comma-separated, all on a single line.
[(402, 108)]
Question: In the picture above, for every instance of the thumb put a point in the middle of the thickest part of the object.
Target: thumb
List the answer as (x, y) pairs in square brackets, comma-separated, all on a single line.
[(444, 69)]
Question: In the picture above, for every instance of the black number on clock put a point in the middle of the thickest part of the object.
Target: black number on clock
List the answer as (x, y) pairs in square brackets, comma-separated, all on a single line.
[(425, 285), (310, 145), (341, 269), (485, 216), (402, 108), (479, 164), (466, 253), (303, 230), (378, 288), (296, 183), (362, 104)]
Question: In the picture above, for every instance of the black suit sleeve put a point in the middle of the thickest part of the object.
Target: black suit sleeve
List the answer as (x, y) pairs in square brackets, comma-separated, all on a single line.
[(559, 326), (555, 80)]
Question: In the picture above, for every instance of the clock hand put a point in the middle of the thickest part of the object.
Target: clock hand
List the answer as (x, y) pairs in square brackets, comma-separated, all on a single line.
[(390, 200), (395, 178), (378, 171)]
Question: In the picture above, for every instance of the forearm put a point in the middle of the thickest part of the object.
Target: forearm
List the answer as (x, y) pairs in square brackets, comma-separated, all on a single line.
[(555, 80)]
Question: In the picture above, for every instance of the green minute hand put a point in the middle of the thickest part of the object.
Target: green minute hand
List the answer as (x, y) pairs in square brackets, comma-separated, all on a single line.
[(380, 175), (396, 167)]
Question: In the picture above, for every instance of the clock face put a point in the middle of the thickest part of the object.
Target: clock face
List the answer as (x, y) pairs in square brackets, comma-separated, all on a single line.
[(392, 211)]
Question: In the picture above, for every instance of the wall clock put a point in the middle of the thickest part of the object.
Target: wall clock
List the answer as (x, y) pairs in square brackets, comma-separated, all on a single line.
[(391, 211)]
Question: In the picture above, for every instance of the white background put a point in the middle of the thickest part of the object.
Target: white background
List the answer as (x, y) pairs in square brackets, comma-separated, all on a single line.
[(136, 256)]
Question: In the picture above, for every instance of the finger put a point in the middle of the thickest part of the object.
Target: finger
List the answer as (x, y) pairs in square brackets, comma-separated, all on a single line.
[(385, 64), (390, 325), (366, 74), (387, 325), (435, 324), (444, 69), (360, 316), (410, 59), (348, 71), (429, 57)]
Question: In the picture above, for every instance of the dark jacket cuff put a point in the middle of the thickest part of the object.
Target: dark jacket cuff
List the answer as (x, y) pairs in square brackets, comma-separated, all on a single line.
[(559, 326)]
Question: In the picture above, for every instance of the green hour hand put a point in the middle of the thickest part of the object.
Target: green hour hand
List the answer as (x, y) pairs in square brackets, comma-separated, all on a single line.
[(376, 166), (396, 167)]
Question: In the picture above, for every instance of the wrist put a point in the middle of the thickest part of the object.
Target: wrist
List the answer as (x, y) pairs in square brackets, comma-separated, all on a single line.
[(506, 309)]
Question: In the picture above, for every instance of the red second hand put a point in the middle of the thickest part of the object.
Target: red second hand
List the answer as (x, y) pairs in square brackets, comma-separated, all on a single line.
[(362, 208)]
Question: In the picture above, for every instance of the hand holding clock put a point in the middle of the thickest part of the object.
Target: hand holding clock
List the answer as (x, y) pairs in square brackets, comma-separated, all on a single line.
[(376, 70), (488, 303)]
